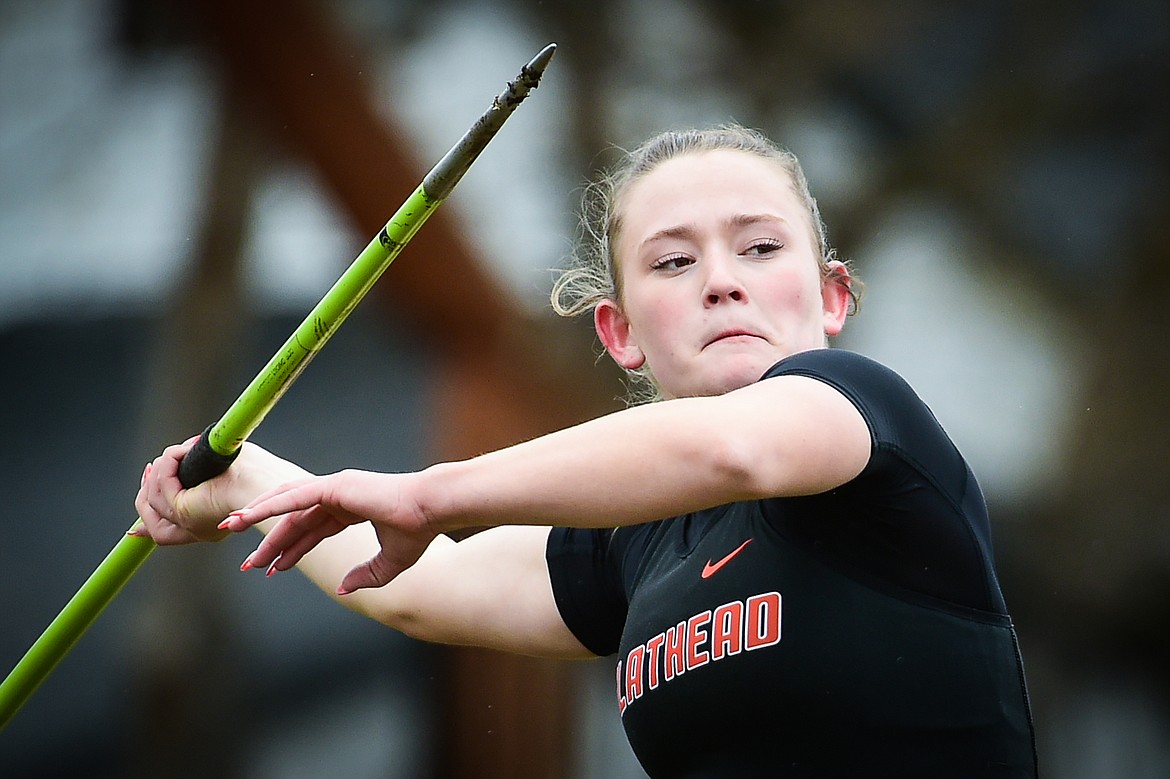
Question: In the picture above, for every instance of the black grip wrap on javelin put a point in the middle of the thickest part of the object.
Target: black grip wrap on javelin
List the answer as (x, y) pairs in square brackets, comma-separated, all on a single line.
[(203, 463)]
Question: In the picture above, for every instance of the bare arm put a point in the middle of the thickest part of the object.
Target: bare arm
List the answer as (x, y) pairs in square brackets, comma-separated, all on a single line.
[(490, 590), (379, 534), (786, 436), (789, 435)]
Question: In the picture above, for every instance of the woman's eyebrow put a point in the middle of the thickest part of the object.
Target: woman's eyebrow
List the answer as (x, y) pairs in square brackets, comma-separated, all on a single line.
[(683, 231), (688, 230), (748, 220)]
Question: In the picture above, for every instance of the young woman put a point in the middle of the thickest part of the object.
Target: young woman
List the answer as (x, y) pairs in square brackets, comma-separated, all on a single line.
[(789, 557)]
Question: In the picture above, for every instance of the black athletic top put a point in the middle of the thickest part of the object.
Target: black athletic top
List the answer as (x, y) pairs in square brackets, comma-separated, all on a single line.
[(858, 632)]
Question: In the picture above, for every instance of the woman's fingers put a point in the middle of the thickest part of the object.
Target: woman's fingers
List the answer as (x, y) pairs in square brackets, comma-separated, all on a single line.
[(292, 554), (155, 524), (140, 500), (307, 511), (292, 537), (170, 514), (360, 577), (161, 530), (380, 569), (302, 532), (291, 498), (162, 481)]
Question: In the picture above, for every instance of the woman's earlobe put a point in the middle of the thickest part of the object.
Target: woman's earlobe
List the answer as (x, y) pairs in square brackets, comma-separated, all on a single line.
[(616, 335)]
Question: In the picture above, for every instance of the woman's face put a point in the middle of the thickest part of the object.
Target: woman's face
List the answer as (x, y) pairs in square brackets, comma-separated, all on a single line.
[(718, 275)]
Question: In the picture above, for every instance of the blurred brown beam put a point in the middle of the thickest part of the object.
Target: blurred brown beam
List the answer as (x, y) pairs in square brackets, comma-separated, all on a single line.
[(505, 716), (301, 79)]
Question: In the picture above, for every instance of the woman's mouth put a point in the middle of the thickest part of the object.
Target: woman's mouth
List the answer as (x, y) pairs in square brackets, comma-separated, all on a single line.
[(733, 336)]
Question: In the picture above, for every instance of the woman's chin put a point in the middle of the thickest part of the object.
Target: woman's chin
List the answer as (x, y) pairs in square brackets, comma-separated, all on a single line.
[(735, 373)]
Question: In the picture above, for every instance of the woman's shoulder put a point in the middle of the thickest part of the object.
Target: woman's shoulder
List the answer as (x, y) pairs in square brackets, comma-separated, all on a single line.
[(896, 415), (869, 384), (833, 363)]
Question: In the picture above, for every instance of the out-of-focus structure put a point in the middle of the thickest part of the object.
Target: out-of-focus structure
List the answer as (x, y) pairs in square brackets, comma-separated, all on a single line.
[(997, 173)]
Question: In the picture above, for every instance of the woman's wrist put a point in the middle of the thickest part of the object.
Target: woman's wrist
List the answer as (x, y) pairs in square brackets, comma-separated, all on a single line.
[(256, 471), (437, 493)]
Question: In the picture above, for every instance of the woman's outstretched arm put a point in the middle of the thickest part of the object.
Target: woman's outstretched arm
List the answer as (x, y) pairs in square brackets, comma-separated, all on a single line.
[(789, 435)]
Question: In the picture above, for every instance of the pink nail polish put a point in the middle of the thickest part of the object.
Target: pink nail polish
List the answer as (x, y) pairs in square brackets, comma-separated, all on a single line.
[(223, 525), (247, 566), (271, 569)]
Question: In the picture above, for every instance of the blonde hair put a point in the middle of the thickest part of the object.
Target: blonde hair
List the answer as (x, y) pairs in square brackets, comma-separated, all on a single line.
[(592, 273)]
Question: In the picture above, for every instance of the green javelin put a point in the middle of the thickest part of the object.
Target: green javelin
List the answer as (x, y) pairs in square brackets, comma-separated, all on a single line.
[(220, 442)]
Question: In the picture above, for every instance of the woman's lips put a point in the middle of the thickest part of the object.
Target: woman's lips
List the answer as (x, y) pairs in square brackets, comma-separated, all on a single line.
[(732, 335)]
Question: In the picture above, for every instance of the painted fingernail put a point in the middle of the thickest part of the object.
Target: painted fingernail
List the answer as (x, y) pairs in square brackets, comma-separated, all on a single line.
[(247, 566), (271, 569), (224, 525)]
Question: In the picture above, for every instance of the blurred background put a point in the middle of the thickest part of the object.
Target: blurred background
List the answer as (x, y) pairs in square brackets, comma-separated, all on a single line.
[(181, 181)]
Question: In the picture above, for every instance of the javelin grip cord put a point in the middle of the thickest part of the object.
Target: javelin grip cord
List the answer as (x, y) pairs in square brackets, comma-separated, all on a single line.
[(202, 463), (220, 443)]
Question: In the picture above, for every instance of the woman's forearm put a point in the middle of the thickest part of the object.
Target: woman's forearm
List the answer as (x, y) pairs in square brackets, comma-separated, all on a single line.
[(456, 593), (784, 436), (632, 466)]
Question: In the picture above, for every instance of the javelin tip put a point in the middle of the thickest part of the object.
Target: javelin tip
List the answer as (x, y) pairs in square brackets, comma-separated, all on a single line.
[(538, 63)]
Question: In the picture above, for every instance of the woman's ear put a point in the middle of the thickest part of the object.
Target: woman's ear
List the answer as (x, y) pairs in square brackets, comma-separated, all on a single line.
[(835, 298), (616, 335)]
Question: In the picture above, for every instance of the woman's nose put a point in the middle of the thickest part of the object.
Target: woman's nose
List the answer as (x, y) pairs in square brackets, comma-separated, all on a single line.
[(722, 284)]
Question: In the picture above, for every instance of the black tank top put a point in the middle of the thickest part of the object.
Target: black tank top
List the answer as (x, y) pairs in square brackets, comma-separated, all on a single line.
[(859, 632)]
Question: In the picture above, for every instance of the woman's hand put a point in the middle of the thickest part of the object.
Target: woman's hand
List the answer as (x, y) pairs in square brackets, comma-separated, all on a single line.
[(310, 510), (173, 515)]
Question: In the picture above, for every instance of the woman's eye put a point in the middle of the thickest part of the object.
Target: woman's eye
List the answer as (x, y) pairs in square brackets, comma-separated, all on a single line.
[(762, 248), (672, 262)]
